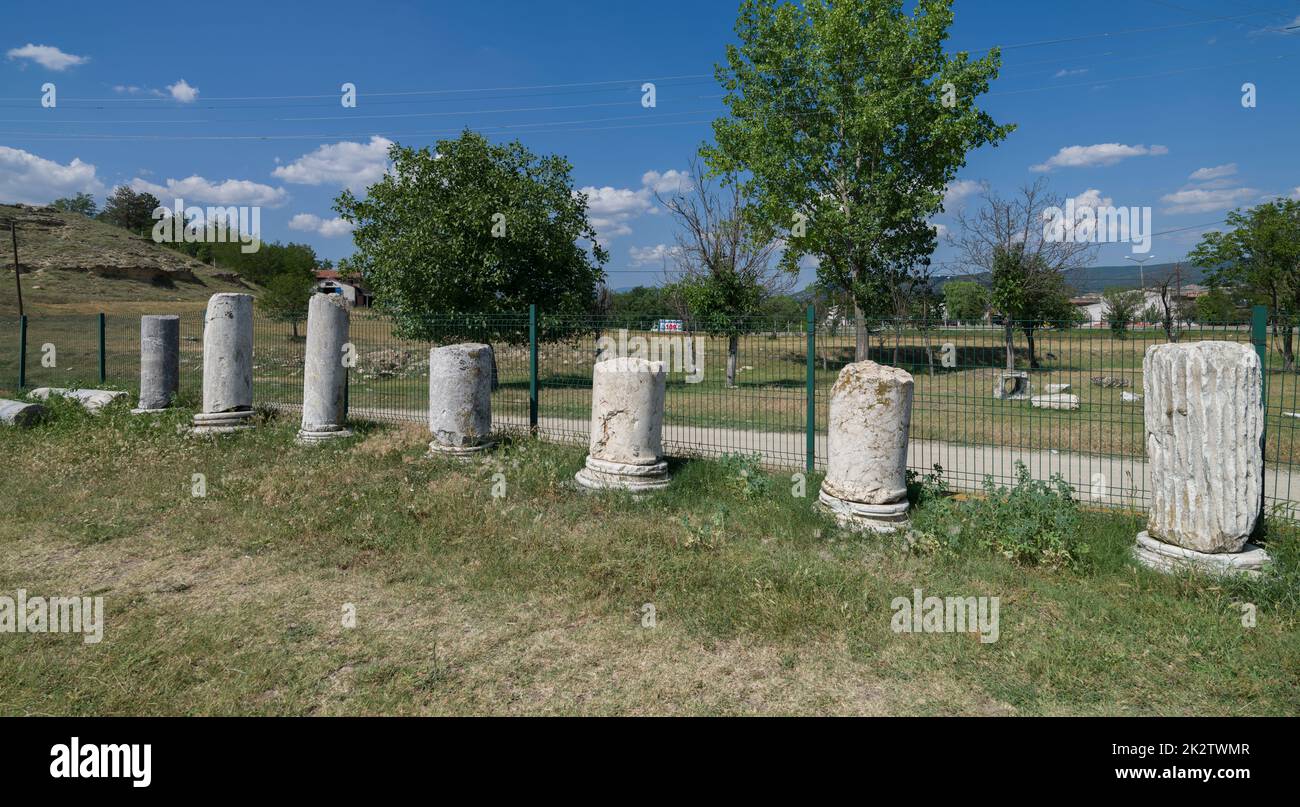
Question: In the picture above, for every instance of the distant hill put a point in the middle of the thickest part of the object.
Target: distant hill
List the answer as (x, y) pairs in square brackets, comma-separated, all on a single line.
[(70, 262)]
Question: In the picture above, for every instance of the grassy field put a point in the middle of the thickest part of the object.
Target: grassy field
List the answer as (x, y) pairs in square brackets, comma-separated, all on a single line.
[(533, 602)]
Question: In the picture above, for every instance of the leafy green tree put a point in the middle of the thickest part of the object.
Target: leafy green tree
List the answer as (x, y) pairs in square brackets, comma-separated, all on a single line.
[(965, 300), (1260, 259), (639, 307), (1216, 307), (1026, 262), (724, 261), (82, 203), (473, 230), (1122, 308), (286, 297), (1028, 294), (849, 120), (130, 210)]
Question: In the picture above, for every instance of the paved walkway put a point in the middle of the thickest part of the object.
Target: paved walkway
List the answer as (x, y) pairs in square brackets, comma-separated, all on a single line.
[(1120, 481)]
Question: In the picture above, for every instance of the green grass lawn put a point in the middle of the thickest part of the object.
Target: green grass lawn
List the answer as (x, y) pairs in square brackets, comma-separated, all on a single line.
[(532, 602)]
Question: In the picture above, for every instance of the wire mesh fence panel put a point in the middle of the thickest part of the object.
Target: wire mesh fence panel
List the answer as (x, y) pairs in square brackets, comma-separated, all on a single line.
[(9, 352), (62, 350), (1065, 401), (1062, 401), (1282, 424), (740, 393)]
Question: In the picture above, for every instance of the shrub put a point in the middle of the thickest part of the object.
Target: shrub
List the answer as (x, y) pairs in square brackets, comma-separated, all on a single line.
[(1032, 522)]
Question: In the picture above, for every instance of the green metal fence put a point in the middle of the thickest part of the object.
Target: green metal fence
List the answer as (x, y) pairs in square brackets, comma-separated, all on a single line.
[(773, 402)]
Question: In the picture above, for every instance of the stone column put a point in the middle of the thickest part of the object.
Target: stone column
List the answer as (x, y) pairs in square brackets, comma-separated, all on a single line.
[(460, 399), (160, 362), (92, 400), (227, 365), (20, 413), (627, 416), (1204, 419), (866, 469), (323, 374)]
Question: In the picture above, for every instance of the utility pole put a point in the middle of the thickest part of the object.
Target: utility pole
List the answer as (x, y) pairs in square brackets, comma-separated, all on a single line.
[(18, 278)]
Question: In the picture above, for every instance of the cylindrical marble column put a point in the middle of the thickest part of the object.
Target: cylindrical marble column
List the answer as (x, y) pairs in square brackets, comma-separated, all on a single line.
[(324, 373), (227, 365), (20, 413), (627, 415), (866, 469), (1204, 420), (460, 398), (160, 362)]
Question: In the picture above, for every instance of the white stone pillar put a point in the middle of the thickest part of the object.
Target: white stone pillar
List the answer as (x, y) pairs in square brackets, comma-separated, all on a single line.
[(227, 365), (460, 399), (160, 362), (92, 400), (324, 374), (20, 413), (866, 469), (627, 416), (1204, 420)]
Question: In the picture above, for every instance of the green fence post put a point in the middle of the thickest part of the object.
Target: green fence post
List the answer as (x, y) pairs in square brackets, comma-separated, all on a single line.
[(103, 356), (810, 419), (532, 368), (1259, 337), (22, 353)]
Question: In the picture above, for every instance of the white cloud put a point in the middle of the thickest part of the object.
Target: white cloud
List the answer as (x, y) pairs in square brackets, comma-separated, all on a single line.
[(183, 92), (349, 165), (959, 191), (47, 56), (1066, 73), (1295, 194), (229, 192), (131, 89), (1206, 200), (33, 180), (1099, 154), (940, 230), (669, 182), (1217, 172), (1093, 198), (657, 255), (329, 228), (610, 209)]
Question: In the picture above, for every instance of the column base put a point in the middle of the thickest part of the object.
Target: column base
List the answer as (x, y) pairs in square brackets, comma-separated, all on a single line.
[(437, 449), (222, 422), (307, 437), (1163, 557), (884, 518), (604, 475)]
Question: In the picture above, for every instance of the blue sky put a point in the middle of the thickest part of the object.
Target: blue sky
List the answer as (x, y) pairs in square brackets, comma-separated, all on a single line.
[(1138, 102)]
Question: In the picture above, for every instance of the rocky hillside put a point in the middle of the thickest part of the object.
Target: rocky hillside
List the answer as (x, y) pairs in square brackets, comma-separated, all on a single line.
[(70, 261)]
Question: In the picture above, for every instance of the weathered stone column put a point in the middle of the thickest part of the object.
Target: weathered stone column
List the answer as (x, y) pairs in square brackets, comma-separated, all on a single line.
[(160, 362), (92, 400), (460, 399), (627, 417), (227, 365), (323, 373), (866, 469), (20, 413), (1204, 419)]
